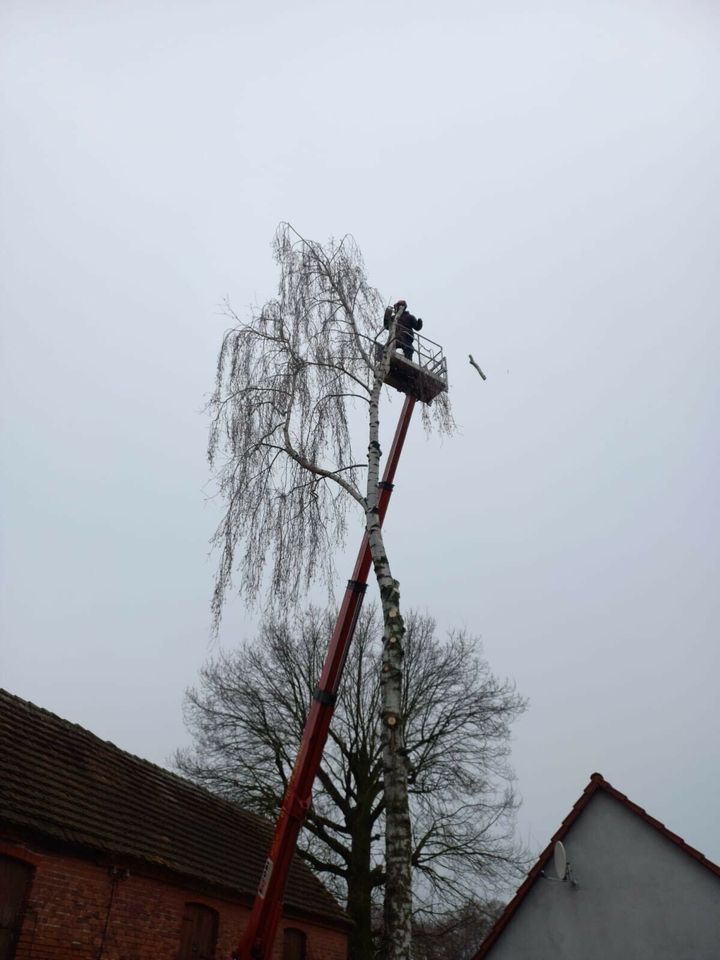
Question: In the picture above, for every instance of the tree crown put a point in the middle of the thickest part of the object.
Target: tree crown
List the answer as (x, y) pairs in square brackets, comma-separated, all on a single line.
[(247, 718), (287, 382)]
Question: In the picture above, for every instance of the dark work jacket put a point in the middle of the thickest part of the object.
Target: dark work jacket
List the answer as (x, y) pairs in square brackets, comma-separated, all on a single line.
[(405, 326)]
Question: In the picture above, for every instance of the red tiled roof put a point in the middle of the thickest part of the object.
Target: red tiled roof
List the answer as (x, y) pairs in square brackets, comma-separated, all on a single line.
[(61, 781), (597, 782)]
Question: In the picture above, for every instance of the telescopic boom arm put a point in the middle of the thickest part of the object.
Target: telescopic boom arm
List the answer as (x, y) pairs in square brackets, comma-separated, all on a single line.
[(259, 937)]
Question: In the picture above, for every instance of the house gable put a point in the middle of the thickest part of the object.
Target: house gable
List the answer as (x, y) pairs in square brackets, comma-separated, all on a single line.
[(641, 892)]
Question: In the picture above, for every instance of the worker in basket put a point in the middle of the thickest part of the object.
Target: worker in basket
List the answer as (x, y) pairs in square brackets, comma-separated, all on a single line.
[(404, 335)]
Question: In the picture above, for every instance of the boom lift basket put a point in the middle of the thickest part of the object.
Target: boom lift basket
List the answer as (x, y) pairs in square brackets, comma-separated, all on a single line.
[(425, 376)]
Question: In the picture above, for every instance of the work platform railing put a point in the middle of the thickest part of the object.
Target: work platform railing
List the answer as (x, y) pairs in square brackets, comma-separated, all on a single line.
[(417, 367)]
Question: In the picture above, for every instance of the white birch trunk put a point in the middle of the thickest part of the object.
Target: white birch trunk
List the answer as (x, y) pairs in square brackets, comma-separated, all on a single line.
[(398, 837)]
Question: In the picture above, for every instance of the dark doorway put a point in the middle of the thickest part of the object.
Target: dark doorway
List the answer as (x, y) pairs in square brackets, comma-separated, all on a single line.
[(15, 880), (199, 933)]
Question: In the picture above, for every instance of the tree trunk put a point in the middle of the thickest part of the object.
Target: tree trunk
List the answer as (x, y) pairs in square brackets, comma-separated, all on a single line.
[(398, 837)]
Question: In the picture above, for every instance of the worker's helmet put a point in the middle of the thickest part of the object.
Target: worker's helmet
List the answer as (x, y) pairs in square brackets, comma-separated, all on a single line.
[(401, 303)]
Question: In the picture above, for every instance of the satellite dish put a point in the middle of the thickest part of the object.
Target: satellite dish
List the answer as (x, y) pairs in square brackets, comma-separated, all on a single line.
[(560, 860)]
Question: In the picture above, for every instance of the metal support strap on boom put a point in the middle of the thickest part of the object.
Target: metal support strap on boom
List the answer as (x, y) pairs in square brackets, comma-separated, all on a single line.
[(257, 943)]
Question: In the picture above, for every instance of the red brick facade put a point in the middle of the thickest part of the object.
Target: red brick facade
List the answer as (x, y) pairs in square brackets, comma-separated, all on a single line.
[(88, 908)]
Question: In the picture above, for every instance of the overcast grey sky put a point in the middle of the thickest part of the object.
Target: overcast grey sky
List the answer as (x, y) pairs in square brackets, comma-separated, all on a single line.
[(540, 181)]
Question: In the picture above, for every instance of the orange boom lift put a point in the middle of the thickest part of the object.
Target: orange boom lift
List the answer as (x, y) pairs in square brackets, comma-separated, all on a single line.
[(421, 379)]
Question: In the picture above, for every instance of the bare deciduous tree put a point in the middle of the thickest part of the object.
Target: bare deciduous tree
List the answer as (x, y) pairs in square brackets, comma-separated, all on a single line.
[(247, 717), (287, 381)]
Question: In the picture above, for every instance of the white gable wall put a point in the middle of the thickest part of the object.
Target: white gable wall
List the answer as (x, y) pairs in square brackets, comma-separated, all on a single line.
[(639, 896)]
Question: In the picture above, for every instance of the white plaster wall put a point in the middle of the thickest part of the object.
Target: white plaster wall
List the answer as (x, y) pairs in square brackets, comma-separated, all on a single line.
[(639, 897)]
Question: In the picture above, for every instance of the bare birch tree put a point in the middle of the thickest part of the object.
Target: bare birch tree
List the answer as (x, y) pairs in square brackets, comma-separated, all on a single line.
[(457, 733), (287, 381)]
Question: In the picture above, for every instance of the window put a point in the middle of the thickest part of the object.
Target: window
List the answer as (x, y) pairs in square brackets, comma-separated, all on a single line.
[(15, 880), (198, 936), (294, 944)]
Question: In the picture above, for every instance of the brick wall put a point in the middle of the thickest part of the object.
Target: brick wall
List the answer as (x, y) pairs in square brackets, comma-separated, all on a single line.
[(72, 899)]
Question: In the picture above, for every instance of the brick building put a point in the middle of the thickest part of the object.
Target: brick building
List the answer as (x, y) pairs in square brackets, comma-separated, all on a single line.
[(104, 856)]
